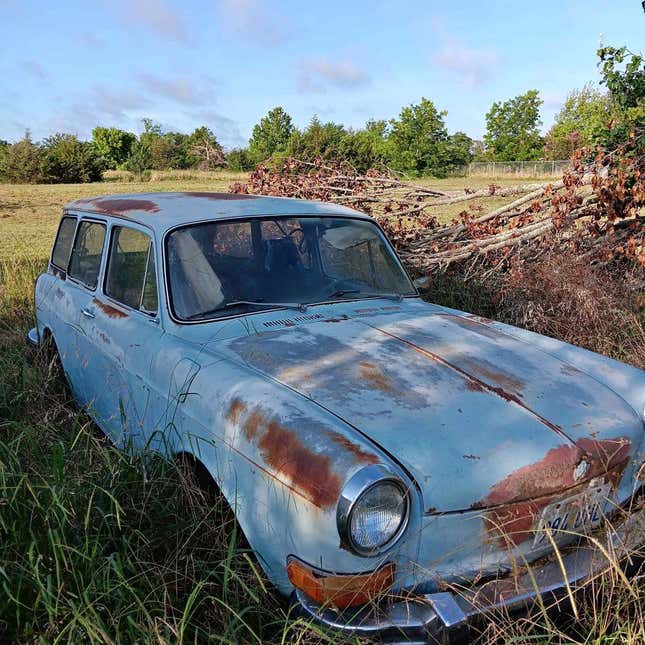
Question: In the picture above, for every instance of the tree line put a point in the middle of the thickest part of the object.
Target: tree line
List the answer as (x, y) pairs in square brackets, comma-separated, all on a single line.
[(416, 142)]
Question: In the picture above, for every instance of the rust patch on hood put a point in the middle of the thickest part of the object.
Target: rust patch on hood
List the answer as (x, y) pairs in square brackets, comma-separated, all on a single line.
[(121, 205), (514, 503), (373, 375), (220, 196), (109, 310), (476, 384), (490, 374)]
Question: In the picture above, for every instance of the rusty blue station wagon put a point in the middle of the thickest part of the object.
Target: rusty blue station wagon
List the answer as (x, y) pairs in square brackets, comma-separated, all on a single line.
[(399, 468)]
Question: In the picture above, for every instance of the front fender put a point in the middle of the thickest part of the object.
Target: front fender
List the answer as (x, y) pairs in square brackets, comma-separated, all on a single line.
[(281, 461)]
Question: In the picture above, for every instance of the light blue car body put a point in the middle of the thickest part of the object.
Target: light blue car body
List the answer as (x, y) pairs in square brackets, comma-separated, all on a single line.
[(283, 407)]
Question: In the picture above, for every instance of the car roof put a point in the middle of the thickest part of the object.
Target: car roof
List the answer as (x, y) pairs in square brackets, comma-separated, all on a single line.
[(162, 211)]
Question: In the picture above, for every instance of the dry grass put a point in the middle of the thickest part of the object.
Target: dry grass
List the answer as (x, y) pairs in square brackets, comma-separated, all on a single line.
[(159, 562)]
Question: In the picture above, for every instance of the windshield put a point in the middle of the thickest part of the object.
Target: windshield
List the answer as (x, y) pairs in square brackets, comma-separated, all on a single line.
[(227, 268)]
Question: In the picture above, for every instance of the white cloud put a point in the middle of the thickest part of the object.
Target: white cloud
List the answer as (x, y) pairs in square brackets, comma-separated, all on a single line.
[(251, 20), (157, 16), (33, 68), (473, 66), (317, 73), (180, 89)]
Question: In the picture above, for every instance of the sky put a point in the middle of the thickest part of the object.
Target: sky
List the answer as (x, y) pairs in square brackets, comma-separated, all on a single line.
[(67, 66)]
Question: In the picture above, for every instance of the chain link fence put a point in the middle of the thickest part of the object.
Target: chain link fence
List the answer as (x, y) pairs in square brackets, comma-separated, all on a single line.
[(515, 168)]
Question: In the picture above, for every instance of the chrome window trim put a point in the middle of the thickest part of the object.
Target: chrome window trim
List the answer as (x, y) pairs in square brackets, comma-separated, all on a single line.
[(358, 484)]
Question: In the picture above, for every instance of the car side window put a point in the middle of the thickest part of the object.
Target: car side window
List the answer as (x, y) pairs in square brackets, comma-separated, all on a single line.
[(86, 255), (63, 243), (131, 278)]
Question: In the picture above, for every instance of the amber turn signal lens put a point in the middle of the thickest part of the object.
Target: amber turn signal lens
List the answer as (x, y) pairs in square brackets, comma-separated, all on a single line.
[(339, 590)]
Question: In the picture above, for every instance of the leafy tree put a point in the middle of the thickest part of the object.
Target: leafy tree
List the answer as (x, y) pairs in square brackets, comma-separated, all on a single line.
[(581, 121), (67, 160), (22, 162), (139, 160), (418, 138), (271, 134), (240, 160), (112, 145), (623, 74), (458, 151), (205, 149), (512, 129), (318, 141)]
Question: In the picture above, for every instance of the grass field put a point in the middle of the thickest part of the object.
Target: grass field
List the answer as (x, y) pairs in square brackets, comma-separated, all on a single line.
[(100, 546), (29, 214)]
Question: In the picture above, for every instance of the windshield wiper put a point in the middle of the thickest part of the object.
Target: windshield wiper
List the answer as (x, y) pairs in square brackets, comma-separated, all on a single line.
[(252, 303)]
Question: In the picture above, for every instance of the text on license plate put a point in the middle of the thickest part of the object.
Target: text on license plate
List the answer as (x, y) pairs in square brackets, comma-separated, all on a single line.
[(577, 514)]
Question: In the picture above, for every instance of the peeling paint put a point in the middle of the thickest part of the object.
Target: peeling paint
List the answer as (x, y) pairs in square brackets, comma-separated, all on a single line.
[(309, 472), (218, 197), (375, 377), (120, 205), (513, 504), (109, 310)]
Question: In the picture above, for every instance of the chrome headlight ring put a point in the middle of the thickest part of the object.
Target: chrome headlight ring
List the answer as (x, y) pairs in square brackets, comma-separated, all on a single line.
[(361, 483)]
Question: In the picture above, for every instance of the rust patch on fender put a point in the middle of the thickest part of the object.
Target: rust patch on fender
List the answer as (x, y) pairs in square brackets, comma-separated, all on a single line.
[(514, 503), (307, 472), (109, 310), (360, 455), (220, 196), (373, 375), (235, 410), (310, 472), (252, 424), (121, 205)]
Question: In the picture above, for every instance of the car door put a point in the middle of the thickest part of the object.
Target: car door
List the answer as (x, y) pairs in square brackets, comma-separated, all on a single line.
[(125, 330), (81, 363)]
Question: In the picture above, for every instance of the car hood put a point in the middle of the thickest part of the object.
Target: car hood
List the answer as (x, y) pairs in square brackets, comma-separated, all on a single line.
[(477, 417)]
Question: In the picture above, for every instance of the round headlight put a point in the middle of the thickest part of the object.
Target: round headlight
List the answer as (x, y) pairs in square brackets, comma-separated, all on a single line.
[(372, 511)]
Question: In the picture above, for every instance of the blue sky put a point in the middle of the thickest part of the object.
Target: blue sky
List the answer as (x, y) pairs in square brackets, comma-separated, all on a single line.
[(69, 65)]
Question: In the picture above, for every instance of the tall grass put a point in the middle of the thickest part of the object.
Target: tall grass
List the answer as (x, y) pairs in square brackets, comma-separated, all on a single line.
[(99, 545)]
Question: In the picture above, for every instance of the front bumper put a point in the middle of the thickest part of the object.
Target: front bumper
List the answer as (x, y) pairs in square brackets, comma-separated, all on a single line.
[(431, 617)]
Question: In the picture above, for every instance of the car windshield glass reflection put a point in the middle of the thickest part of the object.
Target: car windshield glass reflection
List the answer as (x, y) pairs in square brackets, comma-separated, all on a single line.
[(227, 268)]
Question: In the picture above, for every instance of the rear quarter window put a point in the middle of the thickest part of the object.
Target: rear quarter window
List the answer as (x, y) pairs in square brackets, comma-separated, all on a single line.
[(86, 255), (63, 242)]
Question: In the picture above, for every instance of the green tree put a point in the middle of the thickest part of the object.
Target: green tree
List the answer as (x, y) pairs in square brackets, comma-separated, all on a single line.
[(512, 129), (458, 151), (22, 162), (112, 145), (319, 141), (583, 118), (623, 74), (271, 134), (205, 150), (417, 140), (67, 160), (139, 160), (240, 160)]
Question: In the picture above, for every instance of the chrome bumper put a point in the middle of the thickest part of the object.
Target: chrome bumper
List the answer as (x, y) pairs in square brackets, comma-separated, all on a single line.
[(431, 617)]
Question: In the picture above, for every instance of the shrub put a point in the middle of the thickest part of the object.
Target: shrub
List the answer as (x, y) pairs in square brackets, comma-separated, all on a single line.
[(66, 160)]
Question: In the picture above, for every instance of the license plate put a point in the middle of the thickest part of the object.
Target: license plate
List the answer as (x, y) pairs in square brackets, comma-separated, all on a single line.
[(577, 515)]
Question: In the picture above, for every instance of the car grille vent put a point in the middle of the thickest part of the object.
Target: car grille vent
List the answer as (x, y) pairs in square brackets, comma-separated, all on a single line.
[(287, 322)]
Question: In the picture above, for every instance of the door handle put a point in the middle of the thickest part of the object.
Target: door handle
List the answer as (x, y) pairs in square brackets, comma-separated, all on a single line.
[(88, 314)]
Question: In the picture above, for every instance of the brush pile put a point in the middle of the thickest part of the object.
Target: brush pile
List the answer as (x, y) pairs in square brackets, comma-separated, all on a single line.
[(595, 210)]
